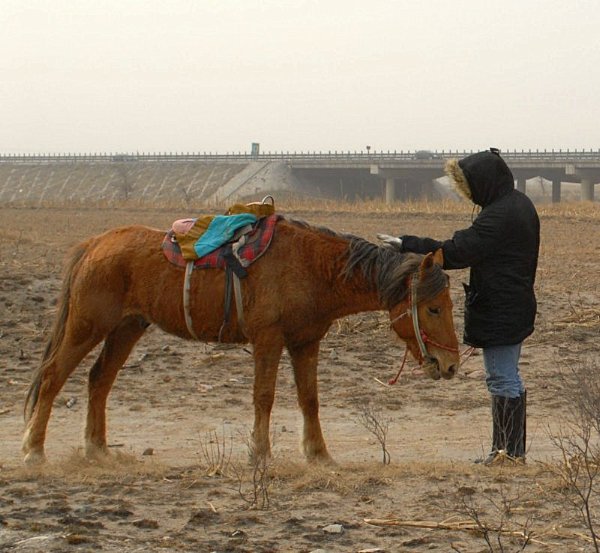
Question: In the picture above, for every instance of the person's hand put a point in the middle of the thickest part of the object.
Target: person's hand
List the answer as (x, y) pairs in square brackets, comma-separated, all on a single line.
[(390, 241)]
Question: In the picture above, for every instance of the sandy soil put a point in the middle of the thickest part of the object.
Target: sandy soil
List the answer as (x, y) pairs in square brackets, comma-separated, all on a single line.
[(180, 414)]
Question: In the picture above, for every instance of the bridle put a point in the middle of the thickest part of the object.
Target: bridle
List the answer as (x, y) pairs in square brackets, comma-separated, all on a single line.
[(420, 334), (412, 311)]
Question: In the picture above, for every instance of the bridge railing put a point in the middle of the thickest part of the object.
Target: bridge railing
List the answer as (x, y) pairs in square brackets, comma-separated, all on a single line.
[(361, 157)]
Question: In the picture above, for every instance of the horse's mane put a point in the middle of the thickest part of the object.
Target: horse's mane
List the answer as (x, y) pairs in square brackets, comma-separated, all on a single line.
[(385, 267), (388, 268)]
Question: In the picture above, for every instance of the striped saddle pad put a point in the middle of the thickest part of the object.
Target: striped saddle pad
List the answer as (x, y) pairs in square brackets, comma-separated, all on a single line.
[(247, 248)]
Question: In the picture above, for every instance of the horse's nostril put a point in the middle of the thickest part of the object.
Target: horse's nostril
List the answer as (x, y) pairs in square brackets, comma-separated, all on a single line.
[(452, 369)]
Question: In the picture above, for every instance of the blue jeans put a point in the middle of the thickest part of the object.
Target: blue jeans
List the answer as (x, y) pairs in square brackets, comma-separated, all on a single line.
[(502, 370)]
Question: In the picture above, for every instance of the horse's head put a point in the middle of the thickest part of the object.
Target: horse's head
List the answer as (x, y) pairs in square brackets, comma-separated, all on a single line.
[(425, 321)]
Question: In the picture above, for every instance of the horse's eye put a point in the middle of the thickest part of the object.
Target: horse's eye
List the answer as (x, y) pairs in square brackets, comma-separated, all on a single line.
[(434, 310)]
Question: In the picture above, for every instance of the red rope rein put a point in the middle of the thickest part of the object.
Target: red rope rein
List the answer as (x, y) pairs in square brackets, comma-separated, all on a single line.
[(466, 353), (427, 340)]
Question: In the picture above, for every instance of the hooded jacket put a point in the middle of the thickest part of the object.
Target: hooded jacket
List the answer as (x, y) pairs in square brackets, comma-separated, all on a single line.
[(501, 248)]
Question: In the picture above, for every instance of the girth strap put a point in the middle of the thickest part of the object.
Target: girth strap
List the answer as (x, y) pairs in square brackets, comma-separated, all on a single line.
[(233, 272), (189, 267), (239, 306), (233, 290)]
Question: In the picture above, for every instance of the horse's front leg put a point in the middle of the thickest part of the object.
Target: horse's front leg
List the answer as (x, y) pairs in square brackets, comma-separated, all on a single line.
[(267, 353), (304, 360)]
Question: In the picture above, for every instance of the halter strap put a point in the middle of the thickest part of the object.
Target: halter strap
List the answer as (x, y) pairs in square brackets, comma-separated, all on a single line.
[(414, 282), (420, 335)]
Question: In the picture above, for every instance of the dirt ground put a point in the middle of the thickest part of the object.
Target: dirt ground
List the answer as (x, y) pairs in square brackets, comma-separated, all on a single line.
[(180, 414)]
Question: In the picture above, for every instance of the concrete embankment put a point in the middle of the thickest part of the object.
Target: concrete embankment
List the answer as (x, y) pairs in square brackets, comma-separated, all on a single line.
[(185, 182)]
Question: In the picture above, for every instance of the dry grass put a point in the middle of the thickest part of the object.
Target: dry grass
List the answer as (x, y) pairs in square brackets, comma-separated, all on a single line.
[(589, 210), (76, 468), (292, 204)]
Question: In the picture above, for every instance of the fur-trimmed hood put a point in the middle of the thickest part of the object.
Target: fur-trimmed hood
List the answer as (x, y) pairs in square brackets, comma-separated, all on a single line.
[(482, 177)]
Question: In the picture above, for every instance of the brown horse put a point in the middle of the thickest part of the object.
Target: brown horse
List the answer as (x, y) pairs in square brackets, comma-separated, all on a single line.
[(118, 283)]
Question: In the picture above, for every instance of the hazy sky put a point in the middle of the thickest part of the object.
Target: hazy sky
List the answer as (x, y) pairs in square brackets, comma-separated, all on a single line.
[(216, 75)]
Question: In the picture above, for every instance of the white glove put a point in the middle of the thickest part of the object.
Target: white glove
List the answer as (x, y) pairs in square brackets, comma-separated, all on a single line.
[(390, 241)]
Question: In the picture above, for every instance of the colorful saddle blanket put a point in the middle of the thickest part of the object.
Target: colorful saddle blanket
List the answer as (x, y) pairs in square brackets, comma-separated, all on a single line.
[(249, 247)]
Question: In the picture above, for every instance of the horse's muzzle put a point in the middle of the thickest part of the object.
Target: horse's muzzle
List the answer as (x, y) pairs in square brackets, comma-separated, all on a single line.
[(450, 372), (431, 366)]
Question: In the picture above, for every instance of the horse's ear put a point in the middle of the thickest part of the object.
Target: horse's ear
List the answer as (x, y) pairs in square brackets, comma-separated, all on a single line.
[(438, 257), (431, 259), (426, 264)]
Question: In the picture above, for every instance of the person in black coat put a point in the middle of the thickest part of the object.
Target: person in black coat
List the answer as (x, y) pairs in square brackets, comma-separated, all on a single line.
[(501, 248)]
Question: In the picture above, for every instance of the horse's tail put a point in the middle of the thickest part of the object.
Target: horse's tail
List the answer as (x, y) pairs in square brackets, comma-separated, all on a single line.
[(58, 329)]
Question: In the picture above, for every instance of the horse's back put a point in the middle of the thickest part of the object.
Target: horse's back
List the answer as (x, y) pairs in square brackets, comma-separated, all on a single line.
[(292, 282), (126, 273)]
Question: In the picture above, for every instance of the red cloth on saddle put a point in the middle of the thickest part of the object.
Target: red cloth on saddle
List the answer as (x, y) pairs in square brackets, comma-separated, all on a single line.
[(257, 242)]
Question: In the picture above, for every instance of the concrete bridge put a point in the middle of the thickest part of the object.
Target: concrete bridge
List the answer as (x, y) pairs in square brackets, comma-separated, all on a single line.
[(393, 175), (421, 167)]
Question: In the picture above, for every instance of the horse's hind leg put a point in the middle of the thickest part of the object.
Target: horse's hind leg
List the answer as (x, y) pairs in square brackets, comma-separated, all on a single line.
[(116, 349), (75, 345), (304, 361), (267, 353)]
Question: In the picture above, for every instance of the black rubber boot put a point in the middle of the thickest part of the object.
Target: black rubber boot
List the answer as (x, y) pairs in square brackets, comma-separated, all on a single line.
[(514, 426), (509, 422), (498, 404), (524, 398)]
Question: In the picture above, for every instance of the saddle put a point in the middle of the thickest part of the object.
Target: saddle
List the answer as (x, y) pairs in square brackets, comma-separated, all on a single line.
[(247, 245), (232, 242)]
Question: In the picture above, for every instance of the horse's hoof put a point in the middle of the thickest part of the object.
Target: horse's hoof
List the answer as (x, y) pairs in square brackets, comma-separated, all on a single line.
[(96, 453), (320, 458), (34, 458), (256, 460)]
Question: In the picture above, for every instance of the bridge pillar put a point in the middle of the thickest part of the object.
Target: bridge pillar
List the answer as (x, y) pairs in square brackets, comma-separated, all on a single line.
[(390, 190), (556, 191), (587, 189), (522, 185)]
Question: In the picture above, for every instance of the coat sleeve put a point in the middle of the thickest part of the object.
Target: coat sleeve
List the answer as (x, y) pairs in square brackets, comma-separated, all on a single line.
[(467, 247)]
